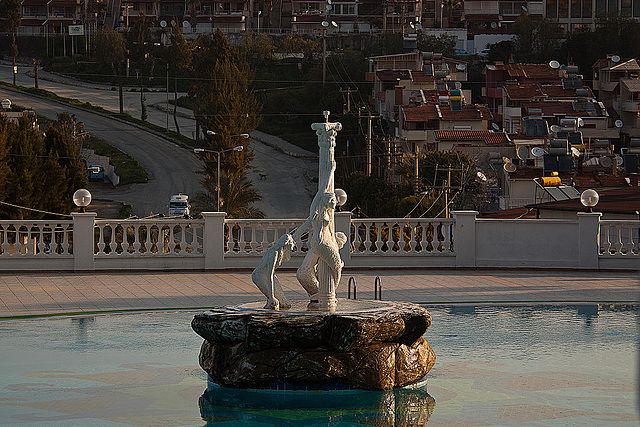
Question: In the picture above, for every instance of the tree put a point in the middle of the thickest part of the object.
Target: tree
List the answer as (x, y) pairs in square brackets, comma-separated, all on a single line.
[(41, 172), (237, 195), (294, 43), (537, 40), (371, 196), (257, 48), (223, 99), (109, 49), (10, 15), (225, 104), (180, 61), (444, 43), (500, 51)]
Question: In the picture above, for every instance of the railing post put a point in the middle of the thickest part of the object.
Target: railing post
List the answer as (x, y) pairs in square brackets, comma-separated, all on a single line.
[(214, 240), (343, 223), (83, 257), (589, 239), (464, 238)]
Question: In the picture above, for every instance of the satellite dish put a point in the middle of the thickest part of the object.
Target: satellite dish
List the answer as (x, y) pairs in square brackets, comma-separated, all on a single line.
[(522, 152), (186, 24), (494, 25), (605, 161), (619, 160), (554, 64), (334, 23), (325, 24), (163, 23), (575, 152), (495, 126), (481, 176), (615, 58), (461, 67), (458, 85), (524, 9), (580, 122), (555, 128), (506, 160), (537, 152), (510, 167), (619, 123)]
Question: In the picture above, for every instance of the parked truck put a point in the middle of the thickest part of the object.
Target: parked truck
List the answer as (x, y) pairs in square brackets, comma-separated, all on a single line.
[(179, 205)]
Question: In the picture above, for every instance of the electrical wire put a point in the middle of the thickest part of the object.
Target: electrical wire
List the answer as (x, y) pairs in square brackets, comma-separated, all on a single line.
[(34, 210)]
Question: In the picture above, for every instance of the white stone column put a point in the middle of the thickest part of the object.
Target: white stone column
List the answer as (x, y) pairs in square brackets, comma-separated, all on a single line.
[(213, 240), (83, 241), (589, 239), (326, 142), (464, 238)]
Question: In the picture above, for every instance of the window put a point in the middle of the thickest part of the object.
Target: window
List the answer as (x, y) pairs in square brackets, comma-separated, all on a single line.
[(563, 8), (552, 8)]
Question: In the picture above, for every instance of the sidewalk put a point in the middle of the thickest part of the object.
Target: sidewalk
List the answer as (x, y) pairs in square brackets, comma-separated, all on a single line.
[(35, 294)]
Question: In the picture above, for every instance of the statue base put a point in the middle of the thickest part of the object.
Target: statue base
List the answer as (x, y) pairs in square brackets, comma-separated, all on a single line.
[(373, 345)]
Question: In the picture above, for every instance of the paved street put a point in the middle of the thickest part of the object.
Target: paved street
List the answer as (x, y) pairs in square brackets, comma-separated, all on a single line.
[(285, 184), (42, 293)]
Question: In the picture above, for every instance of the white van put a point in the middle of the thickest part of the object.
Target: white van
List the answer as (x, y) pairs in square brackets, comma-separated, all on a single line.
[(179, 205)]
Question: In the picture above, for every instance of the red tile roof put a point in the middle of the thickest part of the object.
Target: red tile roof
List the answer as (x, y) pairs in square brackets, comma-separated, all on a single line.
[(486, 136), (530, 71), (526, 91), (422, 113)]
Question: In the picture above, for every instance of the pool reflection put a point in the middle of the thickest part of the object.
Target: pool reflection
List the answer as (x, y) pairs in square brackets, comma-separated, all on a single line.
[(401, 407)]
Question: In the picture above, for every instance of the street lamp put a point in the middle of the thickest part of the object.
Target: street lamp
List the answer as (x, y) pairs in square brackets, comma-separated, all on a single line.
[(204, 150), (589, 198), (82, 198)]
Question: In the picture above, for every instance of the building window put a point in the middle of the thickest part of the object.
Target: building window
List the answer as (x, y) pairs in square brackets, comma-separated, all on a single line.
[(587, 10), (576, 11), (563, 8), (552, 8)]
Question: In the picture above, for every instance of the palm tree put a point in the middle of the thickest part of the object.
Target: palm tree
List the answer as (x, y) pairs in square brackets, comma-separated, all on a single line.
[(237, 195)]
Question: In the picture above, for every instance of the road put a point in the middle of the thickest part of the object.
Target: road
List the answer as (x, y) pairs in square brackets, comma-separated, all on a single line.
[(286, 191), (171, 168)]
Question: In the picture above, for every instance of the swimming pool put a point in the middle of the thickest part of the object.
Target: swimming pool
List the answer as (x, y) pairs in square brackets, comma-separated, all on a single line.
[(511, 365)]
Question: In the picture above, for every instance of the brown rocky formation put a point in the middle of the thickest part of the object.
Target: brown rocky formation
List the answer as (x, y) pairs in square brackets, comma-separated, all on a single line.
[(366, 344)]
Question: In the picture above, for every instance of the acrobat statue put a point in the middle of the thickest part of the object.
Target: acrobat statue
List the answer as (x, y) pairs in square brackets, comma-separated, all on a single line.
[(264, 275)]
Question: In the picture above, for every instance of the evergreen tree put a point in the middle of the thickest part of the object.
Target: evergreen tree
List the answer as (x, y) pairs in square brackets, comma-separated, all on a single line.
[(41, 171)]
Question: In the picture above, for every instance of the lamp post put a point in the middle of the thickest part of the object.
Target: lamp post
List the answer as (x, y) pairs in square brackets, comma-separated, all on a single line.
[(218, 153)]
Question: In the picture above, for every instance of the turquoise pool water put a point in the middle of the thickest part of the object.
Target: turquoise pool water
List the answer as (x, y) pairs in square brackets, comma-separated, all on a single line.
[(539, 365)]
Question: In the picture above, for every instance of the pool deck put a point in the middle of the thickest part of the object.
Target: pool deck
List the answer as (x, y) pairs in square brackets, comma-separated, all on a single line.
[(51, 293)]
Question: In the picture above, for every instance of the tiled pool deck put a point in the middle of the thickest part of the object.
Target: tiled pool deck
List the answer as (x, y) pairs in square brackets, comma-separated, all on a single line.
[(542, 367), (41, 293)]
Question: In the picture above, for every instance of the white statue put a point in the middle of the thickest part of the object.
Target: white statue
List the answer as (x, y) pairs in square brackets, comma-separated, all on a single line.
[(321, 269), (264, 275)]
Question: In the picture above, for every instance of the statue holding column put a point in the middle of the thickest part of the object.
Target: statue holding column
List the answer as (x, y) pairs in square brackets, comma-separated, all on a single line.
[(321, 269)]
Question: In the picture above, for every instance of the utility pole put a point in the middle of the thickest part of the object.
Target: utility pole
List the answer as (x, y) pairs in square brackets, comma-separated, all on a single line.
[(368, 116), (446, 194), (348, 91)]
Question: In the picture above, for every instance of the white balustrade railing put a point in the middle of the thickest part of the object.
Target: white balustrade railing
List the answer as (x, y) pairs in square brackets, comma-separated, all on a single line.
[(36, 239), (619, 238), (402, 237), (251, 237), (151, 238), (215, 242)]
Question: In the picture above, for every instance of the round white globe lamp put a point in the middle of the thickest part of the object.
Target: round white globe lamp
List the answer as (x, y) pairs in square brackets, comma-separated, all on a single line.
[(82, 198), (589, 198)]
